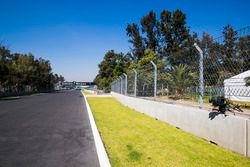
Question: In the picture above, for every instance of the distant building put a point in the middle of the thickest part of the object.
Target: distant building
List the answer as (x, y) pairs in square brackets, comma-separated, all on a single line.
[(77, 85)]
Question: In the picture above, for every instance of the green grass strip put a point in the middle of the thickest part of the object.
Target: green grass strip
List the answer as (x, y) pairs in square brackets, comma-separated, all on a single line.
[(134, 139), (10, 98)]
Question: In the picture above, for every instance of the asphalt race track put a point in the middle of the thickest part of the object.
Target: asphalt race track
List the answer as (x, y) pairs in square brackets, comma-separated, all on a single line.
[(46, 130)]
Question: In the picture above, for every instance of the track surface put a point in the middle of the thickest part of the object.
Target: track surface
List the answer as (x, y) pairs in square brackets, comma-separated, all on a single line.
[(46, 130)]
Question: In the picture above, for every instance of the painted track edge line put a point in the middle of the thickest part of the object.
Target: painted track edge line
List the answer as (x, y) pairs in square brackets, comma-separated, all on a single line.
[(101, 152)]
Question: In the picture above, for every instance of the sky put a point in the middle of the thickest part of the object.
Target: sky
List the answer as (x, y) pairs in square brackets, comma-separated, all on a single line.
[(75, 34)]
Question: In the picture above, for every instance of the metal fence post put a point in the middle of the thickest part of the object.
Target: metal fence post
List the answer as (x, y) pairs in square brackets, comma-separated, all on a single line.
[(117, 85), (155, 78), (111, 86), (135, 84), (201, 77), (126, 84), (120, 84), (114, 86)]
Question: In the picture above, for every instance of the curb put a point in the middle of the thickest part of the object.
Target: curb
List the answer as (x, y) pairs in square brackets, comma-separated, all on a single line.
[(101, 152)]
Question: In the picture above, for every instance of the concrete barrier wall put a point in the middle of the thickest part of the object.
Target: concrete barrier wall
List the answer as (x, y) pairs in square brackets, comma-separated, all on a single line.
[(231, 132)]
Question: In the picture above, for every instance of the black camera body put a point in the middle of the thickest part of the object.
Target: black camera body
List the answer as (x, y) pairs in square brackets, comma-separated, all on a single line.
[(220, 102), (224, 105)]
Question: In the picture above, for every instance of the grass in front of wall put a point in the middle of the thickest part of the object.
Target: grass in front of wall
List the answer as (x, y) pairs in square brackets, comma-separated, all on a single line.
[(134, 139)]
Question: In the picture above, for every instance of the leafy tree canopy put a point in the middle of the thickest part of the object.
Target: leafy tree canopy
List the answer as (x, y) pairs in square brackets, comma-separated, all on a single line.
[(19, 71), (111, 67)]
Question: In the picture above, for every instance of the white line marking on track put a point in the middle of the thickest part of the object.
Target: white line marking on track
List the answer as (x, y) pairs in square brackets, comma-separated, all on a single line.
[(101, 152)]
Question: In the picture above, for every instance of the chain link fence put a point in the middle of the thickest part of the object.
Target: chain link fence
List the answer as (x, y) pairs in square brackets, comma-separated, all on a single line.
[(132, 74), (219, 68), (227, 67), (145, 81)]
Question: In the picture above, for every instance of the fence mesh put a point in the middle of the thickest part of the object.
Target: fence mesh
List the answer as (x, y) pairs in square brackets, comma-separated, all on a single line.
[(227, 65), (145, 81), (226, 72), (131, 83), (179, 81)]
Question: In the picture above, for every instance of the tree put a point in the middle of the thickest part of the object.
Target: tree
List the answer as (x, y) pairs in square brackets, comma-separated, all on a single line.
[(136, 40), (22, 72), (24, 77), (122, 64), (61, 78), (44, 71), (231, 60), (180, 78), (5, 56), (244, 52), (212, 59), (112, 66), (146, 72), (169, 37), (150, 27), (175, 36)]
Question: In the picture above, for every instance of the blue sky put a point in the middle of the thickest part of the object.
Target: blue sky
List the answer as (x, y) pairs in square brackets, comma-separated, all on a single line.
[(74, 35)]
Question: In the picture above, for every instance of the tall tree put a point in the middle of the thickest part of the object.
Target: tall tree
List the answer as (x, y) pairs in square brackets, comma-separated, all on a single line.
[(22, 72), (175, 35), (212, 60), (150, 27), (136, 40), (231, 60), (244, 52), (5, 57), (112, 66), (145, 72)]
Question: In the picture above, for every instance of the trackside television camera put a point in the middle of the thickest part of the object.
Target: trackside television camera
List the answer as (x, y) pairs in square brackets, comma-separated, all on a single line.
[(224, 105)]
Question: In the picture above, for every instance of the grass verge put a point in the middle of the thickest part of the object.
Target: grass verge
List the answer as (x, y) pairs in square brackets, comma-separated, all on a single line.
[(134, 139), (10, 98)]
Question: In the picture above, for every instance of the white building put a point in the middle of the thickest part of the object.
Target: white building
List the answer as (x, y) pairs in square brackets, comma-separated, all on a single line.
[(235, 87)]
